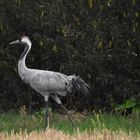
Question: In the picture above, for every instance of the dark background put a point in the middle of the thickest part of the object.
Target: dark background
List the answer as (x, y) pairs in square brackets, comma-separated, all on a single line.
[(96, 39)]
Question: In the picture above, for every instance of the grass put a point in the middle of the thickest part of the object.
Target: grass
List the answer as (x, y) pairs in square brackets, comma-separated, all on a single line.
[(52, 134), (22, 124)]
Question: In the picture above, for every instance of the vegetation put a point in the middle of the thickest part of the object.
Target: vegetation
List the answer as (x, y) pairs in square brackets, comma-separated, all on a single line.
[(52, 134), (22, 122), (107, 127), (98, 40)]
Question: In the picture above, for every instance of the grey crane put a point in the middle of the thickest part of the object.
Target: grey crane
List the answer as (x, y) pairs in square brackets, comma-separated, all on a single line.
[(48, 83)]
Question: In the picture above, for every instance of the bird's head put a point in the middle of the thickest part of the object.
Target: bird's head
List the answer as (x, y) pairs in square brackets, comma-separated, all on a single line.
[(23, 40)]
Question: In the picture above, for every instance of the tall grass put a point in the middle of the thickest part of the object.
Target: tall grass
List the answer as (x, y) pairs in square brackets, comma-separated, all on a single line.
[(90, 126), (52, 134)]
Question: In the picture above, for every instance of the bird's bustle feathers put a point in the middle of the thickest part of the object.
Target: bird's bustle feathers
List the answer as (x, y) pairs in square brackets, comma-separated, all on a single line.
[(78, 85)]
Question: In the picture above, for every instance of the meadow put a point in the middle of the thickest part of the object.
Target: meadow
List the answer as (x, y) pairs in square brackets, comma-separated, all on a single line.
[(90, 126)]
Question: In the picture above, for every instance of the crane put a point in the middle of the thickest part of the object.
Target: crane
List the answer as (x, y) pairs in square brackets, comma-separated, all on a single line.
[(48, 83)]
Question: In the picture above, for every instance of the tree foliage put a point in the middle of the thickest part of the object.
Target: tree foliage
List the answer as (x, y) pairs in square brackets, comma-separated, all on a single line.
[(98, 40)]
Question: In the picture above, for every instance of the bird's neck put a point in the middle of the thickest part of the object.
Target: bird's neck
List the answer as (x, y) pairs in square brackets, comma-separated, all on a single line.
[(21, 64)]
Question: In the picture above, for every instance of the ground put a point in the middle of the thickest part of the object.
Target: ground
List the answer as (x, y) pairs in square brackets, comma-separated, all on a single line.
[(89, 126)]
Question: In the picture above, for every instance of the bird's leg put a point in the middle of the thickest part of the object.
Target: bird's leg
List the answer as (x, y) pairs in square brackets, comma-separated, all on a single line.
[(70, 118), (46, 114), (30, 105), (56, 98)]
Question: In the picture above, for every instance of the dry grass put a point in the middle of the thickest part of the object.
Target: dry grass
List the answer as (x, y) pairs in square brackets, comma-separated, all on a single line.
[(52, 134)]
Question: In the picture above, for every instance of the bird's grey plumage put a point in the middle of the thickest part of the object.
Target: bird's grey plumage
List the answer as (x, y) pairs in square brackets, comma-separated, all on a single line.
[(48, 83)]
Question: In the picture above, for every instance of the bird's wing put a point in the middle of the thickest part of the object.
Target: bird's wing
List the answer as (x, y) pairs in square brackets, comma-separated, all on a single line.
[(47, 81)]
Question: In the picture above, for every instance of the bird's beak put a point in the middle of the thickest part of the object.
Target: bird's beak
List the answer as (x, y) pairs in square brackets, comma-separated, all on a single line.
[(15, 42)]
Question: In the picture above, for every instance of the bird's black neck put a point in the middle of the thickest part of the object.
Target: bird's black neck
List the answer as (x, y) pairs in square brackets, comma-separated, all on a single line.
[(26, 48)]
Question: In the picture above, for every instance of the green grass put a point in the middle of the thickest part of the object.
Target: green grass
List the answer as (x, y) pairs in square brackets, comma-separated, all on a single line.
[(20, 122)]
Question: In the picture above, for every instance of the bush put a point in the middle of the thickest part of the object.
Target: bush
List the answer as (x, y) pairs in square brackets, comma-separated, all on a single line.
[(98, 40)]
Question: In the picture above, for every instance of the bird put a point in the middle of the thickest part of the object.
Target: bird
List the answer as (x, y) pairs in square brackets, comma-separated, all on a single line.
[(48, 83)]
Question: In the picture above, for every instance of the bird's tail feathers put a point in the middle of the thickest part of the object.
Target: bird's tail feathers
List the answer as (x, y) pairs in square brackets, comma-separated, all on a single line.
[(79, 85)]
